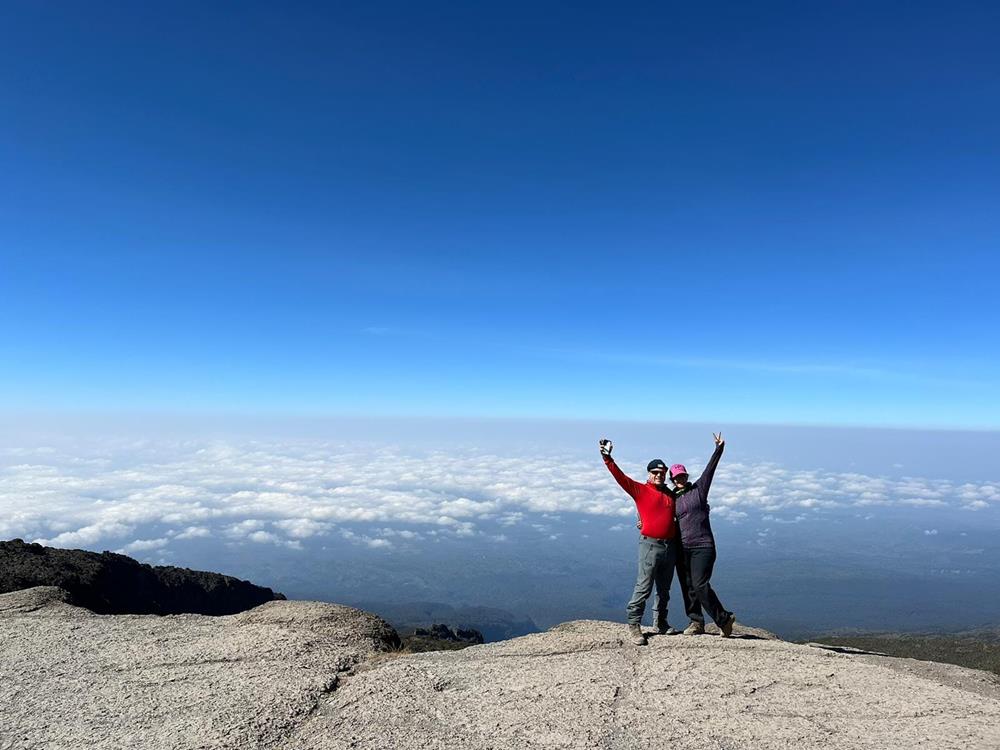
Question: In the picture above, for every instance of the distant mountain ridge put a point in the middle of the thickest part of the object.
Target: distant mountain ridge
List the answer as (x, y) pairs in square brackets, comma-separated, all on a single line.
[(108, 583)]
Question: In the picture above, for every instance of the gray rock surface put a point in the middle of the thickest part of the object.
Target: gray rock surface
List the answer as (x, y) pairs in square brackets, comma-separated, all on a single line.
[(319, 676), (581, 685), (72, 679)]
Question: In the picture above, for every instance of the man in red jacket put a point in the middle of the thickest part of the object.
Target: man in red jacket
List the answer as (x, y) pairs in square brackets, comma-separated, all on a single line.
[(657, 544)]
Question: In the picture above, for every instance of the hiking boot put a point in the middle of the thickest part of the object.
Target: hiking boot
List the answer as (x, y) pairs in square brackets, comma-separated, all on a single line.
[(636, 635), (663, 627), (695, 628), (727, 625)]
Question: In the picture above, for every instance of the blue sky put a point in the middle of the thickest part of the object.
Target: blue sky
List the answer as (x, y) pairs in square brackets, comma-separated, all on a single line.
[(773, 212)]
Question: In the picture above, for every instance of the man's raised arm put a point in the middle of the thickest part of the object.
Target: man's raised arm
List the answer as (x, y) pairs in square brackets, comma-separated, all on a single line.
[(625, 482), (705, 480)]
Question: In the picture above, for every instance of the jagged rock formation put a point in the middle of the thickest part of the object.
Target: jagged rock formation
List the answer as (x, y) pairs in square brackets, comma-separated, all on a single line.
[(107, 583), (440, 637), (444, 633), (301, 675), (495, 624)]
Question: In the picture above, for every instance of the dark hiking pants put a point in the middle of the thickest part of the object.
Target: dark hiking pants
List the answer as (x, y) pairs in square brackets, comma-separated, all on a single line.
[(656, 568), (694, 568)]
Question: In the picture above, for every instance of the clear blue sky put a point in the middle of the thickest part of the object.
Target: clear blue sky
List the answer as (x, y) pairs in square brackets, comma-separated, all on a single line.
[(779, 212)]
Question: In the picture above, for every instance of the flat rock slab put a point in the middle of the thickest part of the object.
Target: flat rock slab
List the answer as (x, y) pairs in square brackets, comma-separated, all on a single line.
[(73, 679), (314, 676), (581, 685)]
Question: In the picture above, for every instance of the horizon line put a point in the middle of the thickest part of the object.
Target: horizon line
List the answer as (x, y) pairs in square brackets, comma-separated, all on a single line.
[(331, 416)]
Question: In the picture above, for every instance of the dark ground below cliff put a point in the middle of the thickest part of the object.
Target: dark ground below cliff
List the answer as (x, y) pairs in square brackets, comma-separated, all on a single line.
[(976, 649)]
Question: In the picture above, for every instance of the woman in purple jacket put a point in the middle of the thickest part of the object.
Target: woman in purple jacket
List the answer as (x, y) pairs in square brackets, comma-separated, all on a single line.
[(698, 554)]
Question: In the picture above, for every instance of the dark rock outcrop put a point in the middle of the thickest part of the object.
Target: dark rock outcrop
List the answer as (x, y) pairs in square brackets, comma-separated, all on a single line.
[(444, 633), (495, 624), (440, 637), (107, 583)]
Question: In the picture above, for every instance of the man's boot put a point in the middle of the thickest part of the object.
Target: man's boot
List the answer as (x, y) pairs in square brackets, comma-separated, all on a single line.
[(663, 627), (727, 626), (636, 635), (695, 628)]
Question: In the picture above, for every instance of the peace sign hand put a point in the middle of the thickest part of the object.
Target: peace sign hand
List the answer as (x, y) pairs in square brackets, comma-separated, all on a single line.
[(718, 439)]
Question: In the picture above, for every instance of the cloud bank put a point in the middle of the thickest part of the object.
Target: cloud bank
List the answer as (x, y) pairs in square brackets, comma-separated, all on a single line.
[(109, 494)]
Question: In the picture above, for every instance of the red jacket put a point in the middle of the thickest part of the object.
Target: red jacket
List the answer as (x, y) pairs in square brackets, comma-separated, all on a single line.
[(655, 506)]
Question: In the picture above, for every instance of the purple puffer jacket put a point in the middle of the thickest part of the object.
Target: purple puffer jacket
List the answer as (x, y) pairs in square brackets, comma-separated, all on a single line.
[(691, 507)]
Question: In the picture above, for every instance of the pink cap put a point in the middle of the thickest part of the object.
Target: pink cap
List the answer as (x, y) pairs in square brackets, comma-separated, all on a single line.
[(677, 469)]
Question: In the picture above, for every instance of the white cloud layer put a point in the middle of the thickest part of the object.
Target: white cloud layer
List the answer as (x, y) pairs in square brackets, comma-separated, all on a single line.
[(106, 495)]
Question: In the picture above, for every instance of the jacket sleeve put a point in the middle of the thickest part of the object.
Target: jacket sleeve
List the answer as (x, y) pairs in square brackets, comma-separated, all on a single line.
[(628, 484), (705, 480)]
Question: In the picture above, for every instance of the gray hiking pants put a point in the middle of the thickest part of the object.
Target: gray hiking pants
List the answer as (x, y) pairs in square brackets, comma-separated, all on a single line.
[(656, 567)]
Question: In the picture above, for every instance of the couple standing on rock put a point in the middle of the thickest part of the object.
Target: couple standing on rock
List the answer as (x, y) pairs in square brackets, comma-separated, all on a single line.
[(675, 533)]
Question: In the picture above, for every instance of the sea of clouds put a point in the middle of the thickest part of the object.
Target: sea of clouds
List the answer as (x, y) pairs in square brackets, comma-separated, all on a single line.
[(108, 493)]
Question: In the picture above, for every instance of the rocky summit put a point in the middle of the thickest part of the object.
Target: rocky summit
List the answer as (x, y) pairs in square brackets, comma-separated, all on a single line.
[(314, 676)]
